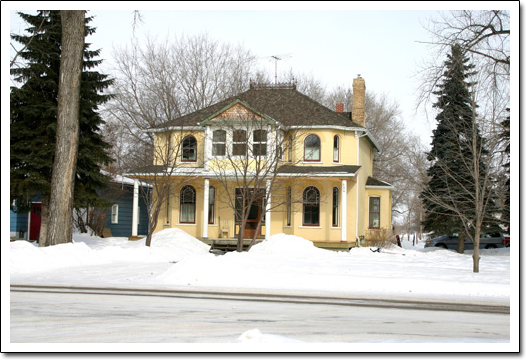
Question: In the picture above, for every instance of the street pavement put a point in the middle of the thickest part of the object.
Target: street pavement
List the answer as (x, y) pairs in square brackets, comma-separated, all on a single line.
[(47, 314)]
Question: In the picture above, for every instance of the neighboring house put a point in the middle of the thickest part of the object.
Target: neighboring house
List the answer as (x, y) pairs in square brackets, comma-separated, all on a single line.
[(25, 225), (327, 192), (119, 218)]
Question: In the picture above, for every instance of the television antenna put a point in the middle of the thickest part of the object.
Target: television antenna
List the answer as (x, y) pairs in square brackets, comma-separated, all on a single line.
[(277, 58)]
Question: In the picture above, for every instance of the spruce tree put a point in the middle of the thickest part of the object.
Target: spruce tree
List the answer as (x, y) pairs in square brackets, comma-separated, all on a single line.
[(505, 138), (34, 115), (451, 197)]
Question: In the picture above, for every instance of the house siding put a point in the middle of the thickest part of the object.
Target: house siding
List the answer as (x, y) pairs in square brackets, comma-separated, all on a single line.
[(123, 228)]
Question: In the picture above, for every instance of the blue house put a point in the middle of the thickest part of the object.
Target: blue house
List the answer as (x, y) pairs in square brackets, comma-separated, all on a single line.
[(26, 226), (120, 216)]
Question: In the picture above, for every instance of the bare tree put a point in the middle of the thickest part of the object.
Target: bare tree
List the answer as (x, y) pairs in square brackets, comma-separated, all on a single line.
[(158, 181), (251, 152), (159, 81), (485, 36), (482, 33), (59, 229)]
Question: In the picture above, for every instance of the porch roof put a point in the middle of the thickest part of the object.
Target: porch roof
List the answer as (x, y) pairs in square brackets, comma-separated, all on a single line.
[(319, 171), (283, 171)]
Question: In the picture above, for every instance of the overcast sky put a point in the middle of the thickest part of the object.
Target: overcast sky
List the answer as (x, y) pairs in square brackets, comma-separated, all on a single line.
[(332, 42)]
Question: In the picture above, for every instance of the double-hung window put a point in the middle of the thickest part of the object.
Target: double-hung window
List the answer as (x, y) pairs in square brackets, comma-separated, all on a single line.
[(187, 209), (259, 142), (115, 214), (189, 151), (336, 151), (239, 143), (211, 204), (311, 206), (374, 212), (335, 203), (289, 205), (312, 149), (219, 143)]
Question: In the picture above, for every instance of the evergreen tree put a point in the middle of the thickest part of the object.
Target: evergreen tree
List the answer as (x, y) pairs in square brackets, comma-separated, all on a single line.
[(505, 137), (452, 195), (34, 115)]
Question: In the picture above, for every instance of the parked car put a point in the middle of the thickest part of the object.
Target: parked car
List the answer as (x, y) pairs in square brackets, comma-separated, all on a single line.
[(487, 241)]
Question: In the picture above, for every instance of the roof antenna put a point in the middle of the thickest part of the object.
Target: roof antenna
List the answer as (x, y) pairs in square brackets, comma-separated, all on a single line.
[(276, 59)]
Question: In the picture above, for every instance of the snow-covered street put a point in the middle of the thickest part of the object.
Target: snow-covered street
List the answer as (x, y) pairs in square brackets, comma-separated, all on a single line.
[(115, 318)]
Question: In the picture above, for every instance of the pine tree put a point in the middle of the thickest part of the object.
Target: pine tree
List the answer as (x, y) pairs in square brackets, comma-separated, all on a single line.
[(457, 197), (505, 138), (34, 115)]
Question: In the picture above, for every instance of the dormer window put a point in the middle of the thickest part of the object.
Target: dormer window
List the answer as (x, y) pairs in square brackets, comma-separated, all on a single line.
[(219, 143), (189, 151), (312, 148), (239, 143)]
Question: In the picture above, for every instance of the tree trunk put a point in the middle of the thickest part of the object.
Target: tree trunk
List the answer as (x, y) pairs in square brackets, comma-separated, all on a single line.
[(461, 242), (44, 213), (65, 162), (476, 245)]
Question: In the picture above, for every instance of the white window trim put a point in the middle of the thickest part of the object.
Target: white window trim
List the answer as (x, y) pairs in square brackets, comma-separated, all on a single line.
[(115, 214), (229, 143)]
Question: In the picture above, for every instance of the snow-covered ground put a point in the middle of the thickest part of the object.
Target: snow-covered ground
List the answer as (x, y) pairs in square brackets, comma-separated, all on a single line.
[(282, 263)]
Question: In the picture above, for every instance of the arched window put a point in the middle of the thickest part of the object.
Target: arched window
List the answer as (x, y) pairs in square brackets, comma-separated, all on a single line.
[(312, 148), (311, 206), (335, 202), (211, 204), (289, 205), (189, 150), (187, 202), (336, 152)]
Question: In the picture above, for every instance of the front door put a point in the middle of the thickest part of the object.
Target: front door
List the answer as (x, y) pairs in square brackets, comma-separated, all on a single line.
[(255, 212), (35, 221)]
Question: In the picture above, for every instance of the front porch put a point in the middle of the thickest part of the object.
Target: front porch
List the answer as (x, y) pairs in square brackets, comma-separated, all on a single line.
[(230, 244)]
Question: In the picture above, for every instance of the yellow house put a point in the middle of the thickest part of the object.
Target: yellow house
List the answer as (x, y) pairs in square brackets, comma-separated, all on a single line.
[(277, 159)]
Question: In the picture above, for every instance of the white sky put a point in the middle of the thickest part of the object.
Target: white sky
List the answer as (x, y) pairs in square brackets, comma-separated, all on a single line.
[(330, 41)]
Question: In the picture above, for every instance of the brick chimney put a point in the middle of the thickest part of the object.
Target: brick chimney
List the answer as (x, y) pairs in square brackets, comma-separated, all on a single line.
[(358, 101), (339, 107)]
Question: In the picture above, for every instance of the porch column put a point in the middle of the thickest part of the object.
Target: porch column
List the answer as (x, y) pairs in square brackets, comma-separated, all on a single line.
[(344, 211), (135, 217), (207, 148), (267, 212), (205, 208)]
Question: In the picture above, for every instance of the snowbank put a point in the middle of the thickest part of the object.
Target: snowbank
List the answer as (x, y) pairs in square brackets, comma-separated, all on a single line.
[(170, 245), (283, 262), (286, 244)]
